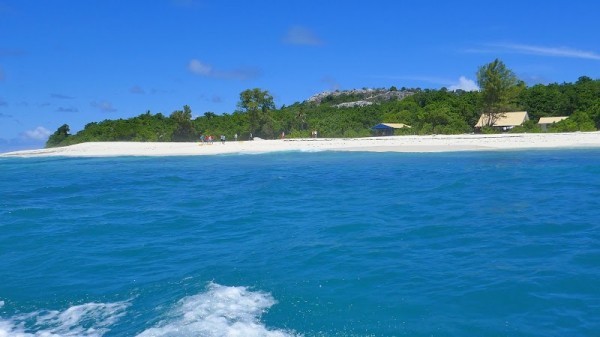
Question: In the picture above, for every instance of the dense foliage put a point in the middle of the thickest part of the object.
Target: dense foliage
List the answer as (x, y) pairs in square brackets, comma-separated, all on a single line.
[(426, 111)]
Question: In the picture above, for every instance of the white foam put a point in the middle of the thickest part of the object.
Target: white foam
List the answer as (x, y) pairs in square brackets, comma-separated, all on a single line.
[(85, 320), (219, 312)]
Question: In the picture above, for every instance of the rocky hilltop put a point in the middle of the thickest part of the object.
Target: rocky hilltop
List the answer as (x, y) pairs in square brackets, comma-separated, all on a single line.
[(358, 97)]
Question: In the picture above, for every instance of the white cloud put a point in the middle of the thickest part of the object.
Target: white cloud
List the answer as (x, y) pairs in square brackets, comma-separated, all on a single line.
[(200, 68), (302, 36), (39, 133), (103, 106), (565, 52), (464, 84)]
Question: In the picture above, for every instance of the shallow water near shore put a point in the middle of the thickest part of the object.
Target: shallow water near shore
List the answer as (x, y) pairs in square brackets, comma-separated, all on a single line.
[(302, 244)]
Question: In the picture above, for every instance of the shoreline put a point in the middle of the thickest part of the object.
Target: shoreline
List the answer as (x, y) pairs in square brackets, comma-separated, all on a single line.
[(413, 144)]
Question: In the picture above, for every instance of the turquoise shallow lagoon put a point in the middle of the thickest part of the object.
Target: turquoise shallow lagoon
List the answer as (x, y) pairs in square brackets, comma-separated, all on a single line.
[(308, 244)]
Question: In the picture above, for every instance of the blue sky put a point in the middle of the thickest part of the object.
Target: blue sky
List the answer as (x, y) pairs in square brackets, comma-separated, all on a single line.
[(77, 62)]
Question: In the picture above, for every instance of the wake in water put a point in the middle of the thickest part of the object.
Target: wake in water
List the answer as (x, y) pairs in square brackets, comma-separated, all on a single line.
[(220, 311), (85, 320)]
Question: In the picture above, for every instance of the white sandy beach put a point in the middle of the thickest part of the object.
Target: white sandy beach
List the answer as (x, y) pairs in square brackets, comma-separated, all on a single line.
[(433, 143)]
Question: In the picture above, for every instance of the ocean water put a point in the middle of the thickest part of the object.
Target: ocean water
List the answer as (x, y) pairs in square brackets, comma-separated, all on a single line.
[(302, 244)]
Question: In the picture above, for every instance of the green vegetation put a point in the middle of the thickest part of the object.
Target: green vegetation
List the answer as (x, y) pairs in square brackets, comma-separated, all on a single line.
[(499, 85), (258, 104), (426, 111)]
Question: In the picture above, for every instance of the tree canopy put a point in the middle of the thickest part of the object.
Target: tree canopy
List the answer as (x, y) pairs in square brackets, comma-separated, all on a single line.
[(497, 84), (257, 104), (426, 111)]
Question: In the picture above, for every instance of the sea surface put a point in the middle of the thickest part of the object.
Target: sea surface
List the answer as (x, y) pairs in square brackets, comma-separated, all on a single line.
[(302, 244)]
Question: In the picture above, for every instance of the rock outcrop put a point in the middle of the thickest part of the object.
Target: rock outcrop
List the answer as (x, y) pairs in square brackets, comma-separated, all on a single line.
[(358, 97)]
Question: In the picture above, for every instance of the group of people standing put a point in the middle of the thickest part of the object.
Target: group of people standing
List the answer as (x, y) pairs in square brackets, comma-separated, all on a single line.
[(206, 139), (210, 139)]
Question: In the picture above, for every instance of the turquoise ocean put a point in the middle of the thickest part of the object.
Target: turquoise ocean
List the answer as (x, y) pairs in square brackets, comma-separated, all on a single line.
[(302, 244)]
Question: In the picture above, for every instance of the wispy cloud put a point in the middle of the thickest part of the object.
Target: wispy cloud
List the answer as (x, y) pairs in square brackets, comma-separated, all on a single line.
[(551, 51), (136, 89), (39, 133), (103, 106), (200, 68), (61, 96), (527, 49), (299, 35), (464, 84), (69, 109)]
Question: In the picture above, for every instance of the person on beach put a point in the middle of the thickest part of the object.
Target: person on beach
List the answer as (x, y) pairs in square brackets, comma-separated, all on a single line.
[(222, 139), (282, 134), (202, 139), (250, 138), (235, 137)]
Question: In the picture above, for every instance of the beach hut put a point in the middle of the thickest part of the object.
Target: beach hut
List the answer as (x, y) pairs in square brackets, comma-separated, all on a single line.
[(387, 129), (505, 120), (545, 121)]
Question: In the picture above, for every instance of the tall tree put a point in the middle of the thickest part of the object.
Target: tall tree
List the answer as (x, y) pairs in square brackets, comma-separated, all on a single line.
[(257, 103), (184, 130), (58, 136), (497, 84)]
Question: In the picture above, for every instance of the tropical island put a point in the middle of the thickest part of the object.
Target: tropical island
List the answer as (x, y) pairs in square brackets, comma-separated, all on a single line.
[(567, 107)]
